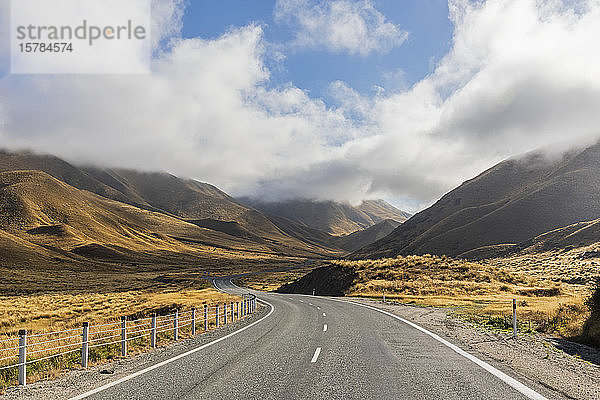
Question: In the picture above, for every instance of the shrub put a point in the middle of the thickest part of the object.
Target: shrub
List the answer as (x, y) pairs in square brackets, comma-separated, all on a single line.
[(591, 328)]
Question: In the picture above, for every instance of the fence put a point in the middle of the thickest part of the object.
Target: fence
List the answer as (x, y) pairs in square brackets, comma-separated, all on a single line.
[(28, 349)]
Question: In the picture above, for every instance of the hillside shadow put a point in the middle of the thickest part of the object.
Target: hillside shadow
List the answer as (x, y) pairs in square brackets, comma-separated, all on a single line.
[(578, 350)]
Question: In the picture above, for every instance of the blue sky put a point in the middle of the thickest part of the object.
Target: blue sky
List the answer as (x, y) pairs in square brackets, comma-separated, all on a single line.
[(430, 33)]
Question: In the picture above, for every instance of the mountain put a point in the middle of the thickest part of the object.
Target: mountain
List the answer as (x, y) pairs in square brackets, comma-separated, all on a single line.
[(359, 239), (510, 203), (331, 217), (200, 215)]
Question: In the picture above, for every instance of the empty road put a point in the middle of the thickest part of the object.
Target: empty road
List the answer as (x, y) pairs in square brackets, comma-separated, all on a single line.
[(318, 348)]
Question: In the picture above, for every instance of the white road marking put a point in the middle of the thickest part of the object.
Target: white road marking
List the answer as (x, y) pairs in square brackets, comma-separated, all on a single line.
[(318, 308), (324, 315), (301, 301), (310, 304), (325, 328), (530, 393), (170, 360), (316, 356)]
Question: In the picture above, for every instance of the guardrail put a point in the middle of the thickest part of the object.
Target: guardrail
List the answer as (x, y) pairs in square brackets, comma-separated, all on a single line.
[(28, 349)]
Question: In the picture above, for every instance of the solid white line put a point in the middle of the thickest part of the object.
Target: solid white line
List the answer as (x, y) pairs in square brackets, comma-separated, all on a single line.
[(324, 315), (530, 393), (316, 356), (170, 360), (325, 328)]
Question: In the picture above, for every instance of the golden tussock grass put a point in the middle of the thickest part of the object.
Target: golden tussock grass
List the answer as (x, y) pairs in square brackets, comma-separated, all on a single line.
[(479, 292), (57, 312)]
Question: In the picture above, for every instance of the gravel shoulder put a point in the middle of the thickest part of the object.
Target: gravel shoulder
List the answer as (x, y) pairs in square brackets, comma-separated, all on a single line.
[(570, 369), (77, 381)]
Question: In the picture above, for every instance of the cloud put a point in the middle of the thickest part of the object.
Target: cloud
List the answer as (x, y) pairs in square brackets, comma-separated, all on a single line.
[(520, 75), (342, 26)]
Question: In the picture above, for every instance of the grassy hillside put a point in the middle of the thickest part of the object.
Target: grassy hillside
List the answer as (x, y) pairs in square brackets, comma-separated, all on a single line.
[(359, 239), (510, 203)]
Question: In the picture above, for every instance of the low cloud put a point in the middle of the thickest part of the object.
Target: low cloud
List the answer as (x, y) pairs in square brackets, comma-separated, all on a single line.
[(519, 76), (343, 26)]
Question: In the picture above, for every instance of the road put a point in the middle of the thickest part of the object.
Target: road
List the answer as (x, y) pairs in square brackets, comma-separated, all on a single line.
[(318, 348)]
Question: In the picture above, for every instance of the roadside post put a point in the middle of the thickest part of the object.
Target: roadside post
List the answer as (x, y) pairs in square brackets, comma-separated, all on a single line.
[(23, 357), (205, 317), (176, 325), (217, 315), (193, 321), (225, 313), (515, 318), (153, 332), (85, 344), (124, 336)]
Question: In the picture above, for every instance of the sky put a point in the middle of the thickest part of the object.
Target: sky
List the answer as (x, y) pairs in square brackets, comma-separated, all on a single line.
[(340, 100)]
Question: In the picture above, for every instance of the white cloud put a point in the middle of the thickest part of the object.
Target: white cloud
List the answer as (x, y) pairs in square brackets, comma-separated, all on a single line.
[(349, 26), (520, 75)]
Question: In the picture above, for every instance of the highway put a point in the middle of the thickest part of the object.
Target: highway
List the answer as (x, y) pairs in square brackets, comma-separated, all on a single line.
[(309, 347)]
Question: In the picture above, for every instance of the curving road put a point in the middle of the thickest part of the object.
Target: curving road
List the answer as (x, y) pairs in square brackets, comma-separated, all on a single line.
[(319, 348)]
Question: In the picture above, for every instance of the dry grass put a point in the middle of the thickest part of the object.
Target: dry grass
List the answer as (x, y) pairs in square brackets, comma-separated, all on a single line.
[(56, 312), (480, 292)]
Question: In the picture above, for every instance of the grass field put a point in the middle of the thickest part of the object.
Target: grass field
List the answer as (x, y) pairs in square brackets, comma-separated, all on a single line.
[(52, 298), (479, 292)]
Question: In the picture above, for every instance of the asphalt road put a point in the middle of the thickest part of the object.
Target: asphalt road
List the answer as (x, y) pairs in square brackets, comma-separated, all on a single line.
[(319, 348)]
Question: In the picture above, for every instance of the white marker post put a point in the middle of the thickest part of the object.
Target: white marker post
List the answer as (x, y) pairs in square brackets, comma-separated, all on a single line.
[(515, 318), (193, 321), (23, 357), (153, 332), (85, 344), (124, 336)]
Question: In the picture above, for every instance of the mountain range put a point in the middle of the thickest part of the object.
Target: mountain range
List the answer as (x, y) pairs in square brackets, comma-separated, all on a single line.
[(53, 210), (532, 200)]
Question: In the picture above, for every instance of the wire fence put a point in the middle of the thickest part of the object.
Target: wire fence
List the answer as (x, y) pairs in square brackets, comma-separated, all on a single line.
[(95, 341)]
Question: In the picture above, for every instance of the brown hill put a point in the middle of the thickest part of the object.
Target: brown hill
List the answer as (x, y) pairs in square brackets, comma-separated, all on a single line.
[(42, 217), (359, 239), (329, 216), (187, 200), (510, 203)]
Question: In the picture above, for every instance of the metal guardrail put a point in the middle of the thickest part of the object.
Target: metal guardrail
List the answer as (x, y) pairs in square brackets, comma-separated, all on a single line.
[(27, 349)]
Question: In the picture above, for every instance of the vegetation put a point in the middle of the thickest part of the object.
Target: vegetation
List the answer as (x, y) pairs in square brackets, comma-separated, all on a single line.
[(591, 328), (55, 312), (482, 293)]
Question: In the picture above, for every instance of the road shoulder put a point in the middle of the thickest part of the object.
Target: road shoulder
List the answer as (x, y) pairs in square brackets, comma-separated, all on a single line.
[(536, 357), (77, 381)]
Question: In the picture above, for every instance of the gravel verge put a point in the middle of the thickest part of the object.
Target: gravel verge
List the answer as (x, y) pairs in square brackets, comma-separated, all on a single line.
[(570, 369), (77, 381)]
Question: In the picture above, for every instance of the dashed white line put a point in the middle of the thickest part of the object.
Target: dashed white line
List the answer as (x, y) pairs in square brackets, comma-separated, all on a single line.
[(301, 301), (316, 356), (324, 315), (310, 304), (318, 308), (325, 328)]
